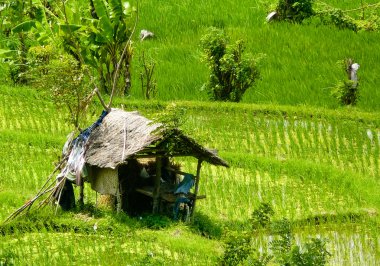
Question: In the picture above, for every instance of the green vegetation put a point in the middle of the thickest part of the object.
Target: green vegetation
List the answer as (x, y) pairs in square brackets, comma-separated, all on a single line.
[(232, 72), (289, 143), (295, 10)]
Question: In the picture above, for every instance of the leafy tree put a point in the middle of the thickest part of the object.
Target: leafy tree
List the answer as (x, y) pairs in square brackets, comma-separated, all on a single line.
[(96, 33), (232, 71), (148, 83), (64, 80), (92, 47)]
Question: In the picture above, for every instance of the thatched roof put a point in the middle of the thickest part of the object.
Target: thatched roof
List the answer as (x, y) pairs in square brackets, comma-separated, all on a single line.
[(123, 135)]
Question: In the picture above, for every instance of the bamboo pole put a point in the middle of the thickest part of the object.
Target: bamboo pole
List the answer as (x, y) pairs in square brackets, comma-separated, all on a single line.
[(196, 189), (157, 182)]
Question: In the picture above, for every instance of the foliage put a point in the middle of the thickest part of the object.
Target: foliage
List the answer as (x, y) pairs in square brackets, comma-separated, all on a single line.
[(173, 116), (347, 91), (155, 222), (298, 11), (17, 19), (95, 33), (239, 248), (294, 10), (261, 217), (346, 19), (63, 77), (148, 83), (286, 253), (7, 257), (99, 39), (282, 247), (339, 19), (232, 71), (205, 226)]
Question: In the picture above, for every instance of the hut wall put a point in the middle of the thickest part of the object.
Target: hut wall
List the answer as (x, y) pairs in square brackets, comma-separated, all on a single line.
[(104, 180)]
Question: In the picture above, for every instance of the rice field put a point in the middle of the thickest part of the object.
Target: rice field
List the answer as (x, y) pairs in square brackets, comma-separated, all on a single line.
[(298, 63), (288, 143), (309, 168)]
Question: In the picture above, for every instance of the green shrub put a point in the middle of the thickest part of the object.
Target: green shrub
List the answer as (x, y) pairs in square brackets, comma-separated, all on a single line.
[(286, 253), (7, 257), (205, 226), (261, 216), (232, 71), (155, 222), (294, 10), (148, 83), (346, 91), (63, 78), (239, 248)]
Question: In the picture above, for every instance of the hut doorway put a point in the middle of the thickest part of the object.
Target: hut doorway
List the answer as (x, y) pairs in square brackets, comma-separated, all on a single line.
[(132, 175)]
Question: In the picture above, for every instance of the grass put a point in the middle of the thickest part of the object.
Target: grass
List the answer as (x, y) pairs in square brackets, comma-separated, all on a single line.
[(317, 167), (298, 66), (288, 143)]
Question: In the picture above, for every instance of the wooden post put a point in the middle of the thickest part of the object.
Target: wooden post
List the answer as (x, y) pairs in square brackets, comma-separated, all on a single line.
[(118, 197), (81, 193), (196, 186), (156, 189), (118, 192)]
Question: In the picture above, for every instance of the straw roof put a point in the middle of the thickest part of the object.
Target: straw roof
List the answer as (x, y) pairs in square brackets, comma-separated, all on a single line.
[(123, 135)]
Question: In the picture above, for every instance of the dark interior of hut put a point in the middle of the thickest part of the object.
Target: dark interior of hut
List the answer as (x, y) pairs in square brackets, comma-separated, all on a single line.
[(137, 182)]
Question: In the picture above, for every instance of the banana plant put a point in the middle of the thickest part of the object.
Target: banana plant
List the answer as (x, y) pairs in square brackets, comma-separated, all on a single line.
[(108, 37), (95, 32), (98, 38)]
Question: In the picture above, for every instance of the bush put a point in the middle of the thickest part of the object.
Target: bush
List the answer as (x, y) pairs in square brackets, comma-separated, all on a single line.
[(286, 253), (232, 71), (294, 10), (346, 91), (156, 222), (63, 78), (239, 249), (261, 216), (205, 226)]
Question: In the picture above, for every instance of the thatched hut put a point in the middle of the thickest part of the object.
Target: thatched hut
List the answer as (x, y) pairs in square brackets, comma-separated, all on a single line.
[(128, 156)]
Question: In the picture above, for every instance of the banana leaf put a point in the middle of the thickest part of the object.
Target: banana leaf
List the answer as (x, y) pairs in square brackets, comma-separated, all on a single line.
[(6, 52), (69, 28), (24, 26)]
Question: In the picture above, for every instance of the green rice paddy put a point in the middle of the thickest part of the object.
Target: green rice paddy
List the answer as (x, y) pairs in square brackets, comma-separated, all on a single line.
[(288, 143)]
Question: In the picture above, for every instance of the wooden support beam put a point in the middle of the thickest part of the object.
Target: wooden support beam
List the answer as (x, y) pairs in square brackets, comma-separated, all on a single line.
[(118, 198), (81, 193), (157, 182), (118, 193), (196, 189)]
